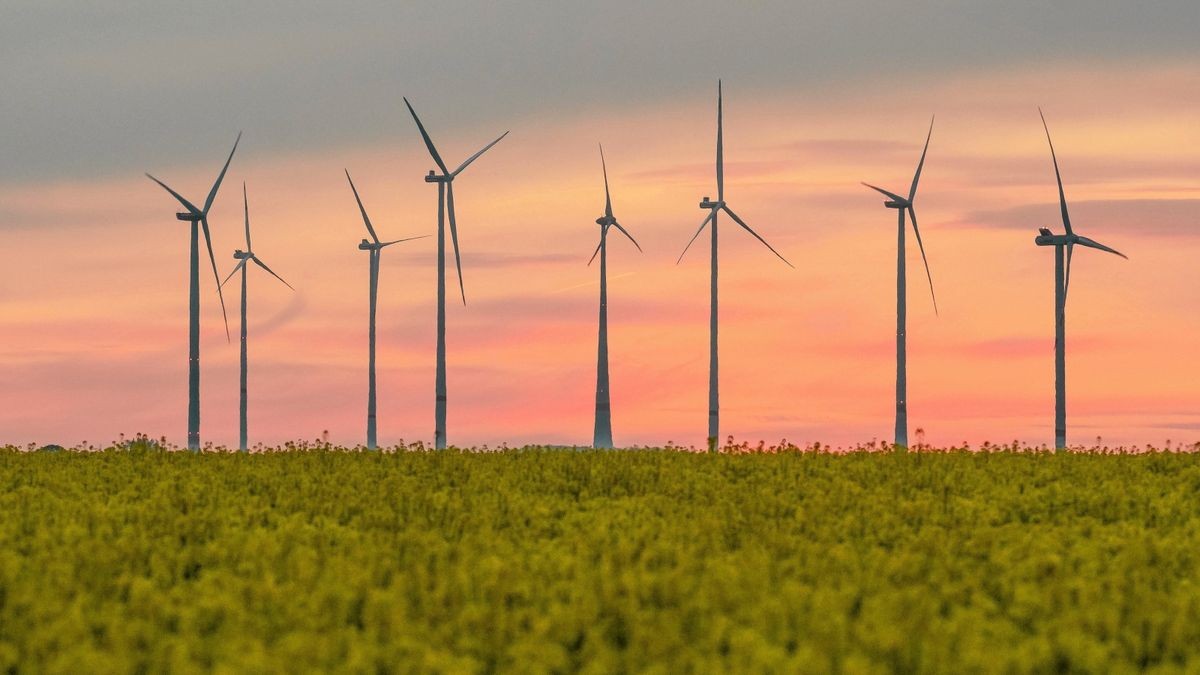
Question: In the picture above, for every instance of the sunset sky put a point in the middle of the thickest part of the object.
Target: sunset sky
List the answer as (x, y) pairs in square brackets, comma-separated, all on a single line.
[(818, 97)]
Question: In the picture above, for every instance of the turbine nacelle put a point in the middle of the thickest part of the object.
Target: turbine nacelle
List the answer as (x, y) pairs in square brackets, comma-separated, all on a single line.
[(189, 217), (605, 221), (435, 177), (709, 204), (366, 245), (1047, 238), (239, 254), (894, 201)]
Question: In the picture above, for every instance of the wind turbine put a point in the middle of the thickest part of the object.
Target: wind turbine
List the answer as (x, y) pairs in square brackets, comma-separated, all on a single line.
[(713, 208), (199, 219), (902, 205), (1061, 282), (602, 433), (445, 182), (244, 257), (372, 246)]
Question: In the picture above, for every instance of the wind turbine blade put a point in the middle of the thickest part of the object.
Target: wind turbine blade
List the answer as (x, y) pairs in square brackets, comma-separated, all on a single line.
[(270, 271), (397, 241), (1062, 197), (885, 193), (240, 265), (1067, 277), (607, 198), (454, 238), (1092, 243), (689, 244), (475, 156), (213, 259), (246, 206), (741, 222), (428, 141), (186, 204), (361, 209), (626, 233), (720, 148), (912, 192), (913, 215), (596, 252), (212, 194)]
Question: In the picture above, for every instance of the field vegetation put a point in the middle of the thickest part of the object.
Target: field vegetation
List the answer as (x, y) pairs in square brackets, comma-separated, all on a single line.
[(134, 559)]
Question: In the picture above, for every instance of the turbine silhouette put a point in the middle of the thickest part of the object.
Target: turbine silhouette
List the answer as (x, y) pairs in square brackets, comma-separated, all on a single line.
[(244, 257), (445, 183), (713, 208), (602, 432), (374, 247), (199, 219), (1062, 280), (902, 205)]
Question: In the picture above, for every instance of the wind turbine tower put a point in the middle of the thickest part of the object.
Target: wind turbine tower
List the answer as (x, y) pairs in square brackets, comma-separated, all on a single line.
[(244, 257), (199, 220), (602, 433), (373, 246), (1062, 280), (905, 205), (713, 208), (445, 183)]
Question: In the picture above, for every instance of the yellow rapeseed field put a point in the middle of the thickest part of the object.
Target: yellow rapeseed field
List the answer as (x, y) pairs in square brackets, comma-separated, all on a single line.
[(651, 561)]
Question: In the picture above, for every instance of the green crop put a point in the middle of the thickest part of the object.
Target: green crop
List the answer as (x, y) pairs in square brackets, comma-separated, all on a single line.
[(603, 562)]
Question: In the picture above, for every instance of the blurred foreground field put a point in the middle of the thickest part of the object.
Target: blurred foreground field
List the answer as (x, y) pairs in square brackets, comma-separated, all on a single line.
[(604, 562)]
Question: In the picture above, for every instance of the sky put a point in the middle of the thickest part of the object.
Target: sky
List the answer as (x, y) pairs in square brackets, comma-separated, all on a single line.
[(818, 97)]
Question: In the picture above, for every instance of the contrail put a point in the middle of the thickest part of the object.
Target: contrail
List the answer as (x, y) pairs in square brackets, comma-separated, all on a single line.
[(588, 284)]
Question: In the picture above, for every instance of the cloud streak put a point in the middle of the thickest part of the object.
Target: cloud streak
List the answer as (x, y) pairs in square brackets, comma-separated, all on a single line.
[(1134, 217)]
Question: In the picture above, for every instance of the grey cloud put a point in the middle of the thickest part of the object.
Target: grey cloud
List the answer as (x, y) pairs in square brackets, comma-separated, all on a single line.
[(108, 88)]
